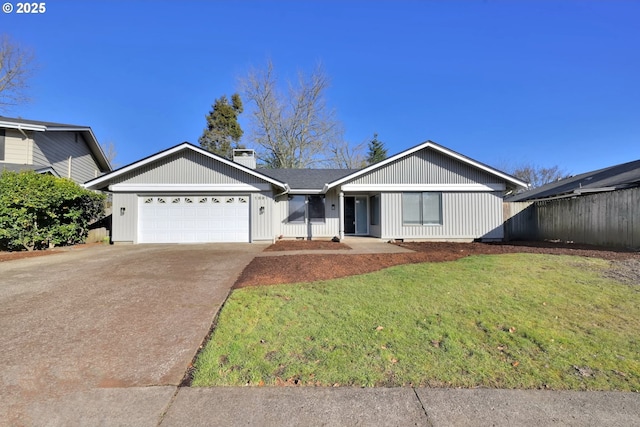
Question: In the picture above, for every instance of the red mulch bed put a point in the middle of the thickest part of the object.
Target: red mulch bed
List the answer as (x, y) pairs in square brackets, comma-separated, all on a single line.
[(308, 268)]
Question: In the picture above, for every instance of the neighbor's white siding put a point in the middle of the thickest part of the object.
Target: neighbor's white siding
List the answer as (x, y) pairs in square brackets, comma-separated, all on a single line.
[(465, 215)]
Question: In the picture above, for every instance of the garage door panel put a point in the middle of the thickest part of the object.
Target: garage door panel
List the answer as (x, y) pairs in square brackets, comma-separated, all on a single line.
[(193, 219)]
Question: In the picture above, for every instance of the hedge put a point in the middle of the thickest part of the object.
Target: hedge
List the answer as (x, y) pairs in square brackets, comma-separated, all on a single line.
[(38, 211)]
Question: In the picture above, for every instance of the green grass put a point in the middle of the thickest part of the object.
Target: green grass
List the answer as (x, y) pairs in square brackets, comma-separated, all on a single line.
[(505, 321)]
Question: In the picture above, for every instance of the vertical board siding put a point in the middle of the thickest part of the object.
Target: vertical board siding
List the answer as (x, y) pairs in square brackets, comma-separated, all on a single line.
[(262, 223), (468, 215), (427, 166), (328, 229), (125, 227), (187, 167), (55, 148), (606, 219)]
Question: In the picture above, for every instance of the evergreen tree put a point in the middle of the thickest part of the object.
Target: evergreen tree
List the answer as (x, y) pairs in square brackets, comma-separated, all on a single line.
[(377, 152), (223, 132)]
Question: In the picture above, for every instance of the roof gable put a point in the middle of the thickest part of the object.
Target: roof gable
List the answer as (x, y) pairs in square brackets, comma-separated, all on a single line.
[(501, 176), (142, 167), (39, 126)]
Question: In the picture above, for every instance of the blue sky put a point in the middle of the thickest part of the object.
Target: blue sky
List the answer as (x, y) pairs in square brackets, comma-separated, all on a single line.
[(545, 82)]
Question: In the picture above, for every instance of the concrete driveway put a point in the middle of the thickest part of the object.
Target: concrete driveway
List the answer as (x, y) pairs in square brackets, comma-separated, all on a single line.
[(77, 323)]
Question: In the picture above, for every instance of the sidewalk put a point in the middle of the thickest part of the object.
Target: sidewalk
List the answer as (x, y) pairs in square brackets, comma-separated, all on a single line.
[(341, 406)]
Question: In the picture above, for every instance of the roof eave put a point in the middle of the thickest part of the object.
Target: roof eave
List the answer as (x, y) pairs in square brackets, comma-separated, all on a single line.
[(86, 132)]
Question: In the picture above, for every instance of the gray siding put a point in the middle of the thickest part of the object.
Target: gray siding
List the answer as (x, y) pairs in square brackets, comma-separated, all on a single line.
[(125, 227), (328, 229), (427, 166), (55, 149), (262, 222), (465, 215), (187, 167)]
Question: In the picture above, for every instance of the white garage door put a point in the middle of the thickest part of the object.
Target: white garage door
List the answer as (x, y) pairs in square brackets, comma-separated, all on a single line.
[(193, 219)]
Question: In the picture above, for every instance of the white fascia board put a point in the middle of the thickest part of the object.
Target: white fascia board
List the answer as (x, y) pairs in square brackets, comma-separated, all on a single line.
[(305, 191), (96, 182), (433, 145), (422, 187), (193, 188), (22, 126)]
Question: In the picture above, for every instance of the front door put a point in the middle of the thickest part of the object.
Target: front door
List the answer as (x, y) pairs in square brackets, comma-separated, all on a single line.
[(356, 220), (349, 215)]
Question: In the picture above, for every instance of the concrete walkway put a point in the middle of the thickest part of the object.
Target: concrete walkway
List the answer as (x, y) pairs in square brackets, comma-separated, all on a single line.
[(358, 245)]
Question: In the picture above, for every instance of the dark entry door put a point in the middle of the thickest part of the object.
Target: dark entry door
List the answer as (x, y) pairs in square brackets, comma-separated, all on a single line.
[(349, 215)]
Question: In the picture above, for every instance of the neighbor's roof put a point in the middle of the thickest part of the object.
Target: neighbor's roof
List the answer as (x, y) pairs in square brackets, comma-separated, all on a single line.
[(16, 167), (307, 179), (40, 126), (626, 175)]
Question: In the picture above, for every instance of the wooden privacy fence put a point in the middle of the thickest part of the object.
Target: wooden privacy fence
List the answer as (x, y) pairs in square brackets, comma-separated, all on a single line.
[(606, 219)]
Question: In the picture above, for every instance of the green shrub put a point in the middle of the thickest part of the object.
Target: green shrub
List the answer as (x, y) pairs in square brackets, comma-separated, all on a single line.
[(39, 211)]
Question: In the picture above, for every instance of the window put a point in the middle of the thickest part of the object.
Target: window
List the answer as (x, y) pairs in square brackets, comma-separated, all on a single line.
[(375, 209), (316, 208), (303, 208), (296, 208), (422, 208)]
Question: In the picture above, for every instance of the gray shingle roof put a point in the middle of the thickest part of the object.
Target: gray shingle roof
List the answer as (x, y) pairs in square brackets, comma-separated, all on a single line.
[(626, 175), (39, 123), (306, 179)]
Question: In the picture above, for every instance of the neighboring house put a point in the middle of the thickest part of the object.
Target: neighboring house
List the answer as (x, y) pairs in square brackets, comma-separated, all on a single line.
[(618, 177), (68, 151), (186, 194), (601, 207)]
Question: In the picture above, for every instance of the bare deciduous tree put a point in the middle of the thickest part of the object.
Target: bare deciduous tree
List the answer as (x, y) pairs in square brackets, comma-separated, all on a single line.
[(535, 175), (344, 156), (294, 129), (109, 150), (15, 70)]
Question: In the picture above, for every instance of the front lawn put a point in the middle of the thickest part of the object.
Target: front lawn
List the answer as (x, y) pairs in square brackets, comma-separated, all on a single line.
[(504, 321)]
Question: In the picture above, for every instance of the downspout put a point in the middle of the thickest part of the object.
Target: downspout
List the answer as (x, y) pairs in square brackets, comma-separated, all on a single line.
[(276, 223), (69, 168)]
